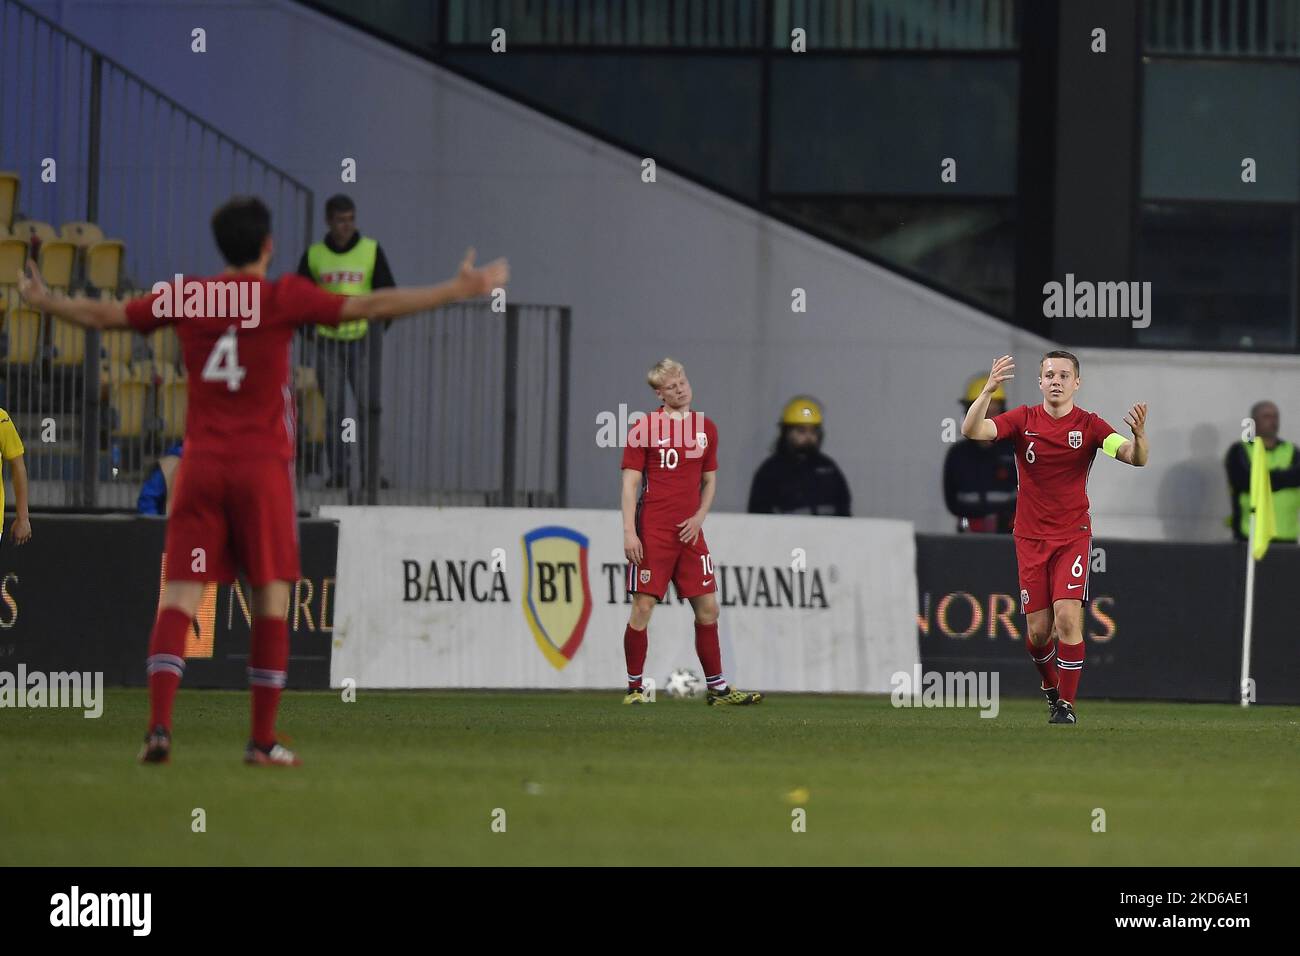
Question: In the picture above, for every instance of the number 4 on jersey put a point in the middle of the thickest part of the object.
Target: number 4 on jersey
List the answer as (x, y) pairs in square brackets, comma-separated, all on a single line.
[(223, 362)]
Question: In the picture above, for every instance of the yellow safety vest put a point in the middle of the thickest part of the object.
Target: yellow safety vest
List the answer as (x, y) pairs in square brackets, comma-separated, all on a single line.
[(1286, 501), (345, 273)]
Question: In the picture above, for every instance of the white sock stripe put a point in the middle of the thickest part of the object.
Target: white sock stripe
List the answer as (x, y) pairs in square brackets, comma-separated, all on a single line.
[(1070, 665), (261, 677), (166, 659), (163, 667), (1043, 660)]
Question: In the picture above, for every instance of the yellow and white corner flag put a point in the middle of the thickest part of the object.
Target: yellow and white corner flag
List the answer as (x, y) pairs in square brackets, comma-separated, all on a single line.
[(1261, 499)]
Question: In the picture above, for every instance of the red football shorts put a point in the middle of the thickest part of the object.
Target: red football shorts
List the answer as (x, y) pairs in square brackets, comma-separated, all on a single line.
[(1052, 571), (688, 566), (233, 514)]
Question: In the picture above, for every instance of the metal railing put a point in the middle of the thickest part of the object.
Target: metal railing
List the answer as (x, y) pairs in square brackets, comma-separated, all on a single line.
[(1223, 28), (466, 406), (693, 25), (91, 142)]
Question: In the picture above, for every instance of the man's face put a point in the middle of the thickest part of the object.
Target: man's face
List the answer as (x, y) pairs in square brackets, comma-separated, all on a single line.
[(675, 392), (343, 226), (1057, 381), (1267, 421), (802, 438)]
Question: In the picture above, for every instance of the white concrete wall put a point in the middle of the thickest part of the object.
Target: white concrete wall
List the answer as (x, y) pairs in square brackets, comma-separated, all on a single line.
[(666, 268)]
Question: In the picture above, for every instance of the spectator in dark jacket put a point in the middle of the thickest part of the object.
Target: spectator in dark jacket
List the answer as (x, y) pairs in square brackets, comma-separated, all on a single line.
[(979, 477), (798, 479)]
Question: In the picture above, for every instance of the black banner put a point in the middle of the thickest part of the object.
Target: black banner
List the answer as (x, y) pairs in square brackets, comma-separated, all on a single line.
[(1164, 620), (83, 593)]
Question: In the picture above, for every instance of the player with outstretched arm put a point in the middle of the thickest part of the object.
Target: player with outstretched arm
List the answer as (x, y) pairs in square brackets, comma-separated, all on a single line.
[(235, 497), (670, 470), (1055, 444)]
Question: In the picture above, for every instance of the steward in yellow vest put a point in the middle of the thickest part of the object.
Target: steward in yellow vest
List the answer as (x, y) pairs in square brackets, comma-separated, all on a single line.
[(347, 263), (1284, 476)]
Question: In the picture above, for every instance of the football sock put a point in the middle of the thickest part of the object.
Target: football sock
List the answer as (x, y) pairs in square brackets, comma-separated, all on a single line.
[(1044, 659), (165, 665), (268, 661), (634, 647), (710, 654), (1070, 664)]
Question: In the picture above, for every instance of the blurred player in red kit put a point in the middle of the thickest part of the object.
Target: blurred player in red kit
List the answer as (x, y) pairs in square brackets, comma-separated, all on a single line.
[(234, 503), (1055, 443), (670, 470)]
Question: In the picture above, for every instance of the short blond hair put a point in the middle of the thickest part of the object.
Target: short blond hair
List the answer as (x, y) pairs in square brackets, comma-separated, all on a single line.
[(663, 370)]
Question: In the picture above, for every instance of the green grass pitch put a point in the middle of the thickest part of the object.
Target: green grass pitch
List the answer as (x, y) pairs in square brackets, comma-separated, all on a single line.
[(414, 778)]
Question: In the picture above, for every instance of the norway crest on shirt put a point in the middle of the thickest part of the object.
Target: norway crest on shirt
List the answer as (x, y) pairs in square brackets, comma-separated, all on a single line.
[(1076, 439)]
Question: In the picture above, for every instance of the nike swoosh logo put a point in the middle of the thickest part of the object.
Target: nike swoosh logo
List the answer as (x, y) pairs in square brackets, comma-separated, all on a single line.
[(1035, 434), (708, 581), (1071, 587), (664, 441)]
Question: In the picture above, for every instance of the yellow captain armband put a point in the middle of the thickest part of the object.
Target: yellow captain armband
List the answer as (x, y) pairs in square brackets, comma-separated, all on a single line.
[(1112, 443)]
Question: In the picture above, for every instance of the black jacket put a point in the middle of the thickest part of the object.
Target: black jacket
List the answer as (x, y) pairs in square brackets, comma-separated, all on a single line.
[(789, 484), (979, 481)]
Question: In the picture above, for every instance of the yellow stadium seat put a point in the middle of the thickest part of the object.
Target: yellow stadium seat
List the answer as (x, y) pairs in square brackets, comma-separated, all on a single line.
[(23, 334), (104, 263), (113, 373), (56, 260), (29, 229), (13, 255), (116, 345), (81, 233), (165, 373), (142, 371), (69, 342), (127, 400), (172, 402), (313, 416), (8, 199), (165, 345)]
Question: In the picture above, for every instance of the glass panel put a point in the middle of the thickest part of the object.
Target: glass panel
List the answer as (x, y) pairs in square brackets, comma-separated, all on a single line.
[(1222, 276), (966, 247), (1200, 120), (883, 125)]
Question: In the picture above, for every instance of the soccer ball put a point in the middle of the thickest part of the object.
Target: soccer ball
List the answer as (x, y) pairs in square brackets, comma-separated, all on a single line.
[(682, 683)]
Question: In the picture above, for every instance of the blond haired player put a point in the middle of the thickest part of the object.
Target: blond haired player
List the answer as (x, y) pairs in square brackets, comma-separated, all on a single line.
[(670, 470)]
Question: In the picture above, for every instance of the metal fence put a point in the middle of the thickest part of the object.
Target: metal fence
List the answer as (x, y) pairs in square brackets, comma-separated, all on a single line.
[(692, 25), (468, 406), (1223, 28), (108, 184)]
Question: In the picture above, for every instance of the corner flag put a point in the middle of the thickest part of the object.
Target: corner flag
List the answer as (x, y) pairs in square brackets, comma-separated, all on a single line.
[(1261, 500)]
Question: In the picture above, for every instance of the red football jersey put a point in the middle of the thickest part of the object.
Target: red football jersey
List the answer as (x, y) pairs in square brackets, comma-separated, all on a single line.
[(1053, 458), (240, 394), (672, 455)]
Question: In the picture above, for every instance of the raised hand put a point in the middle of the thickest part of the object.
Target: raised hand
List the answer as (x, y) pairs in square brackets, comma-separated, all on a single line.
[(1136, 419), (484, 279), (1001, 372)]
